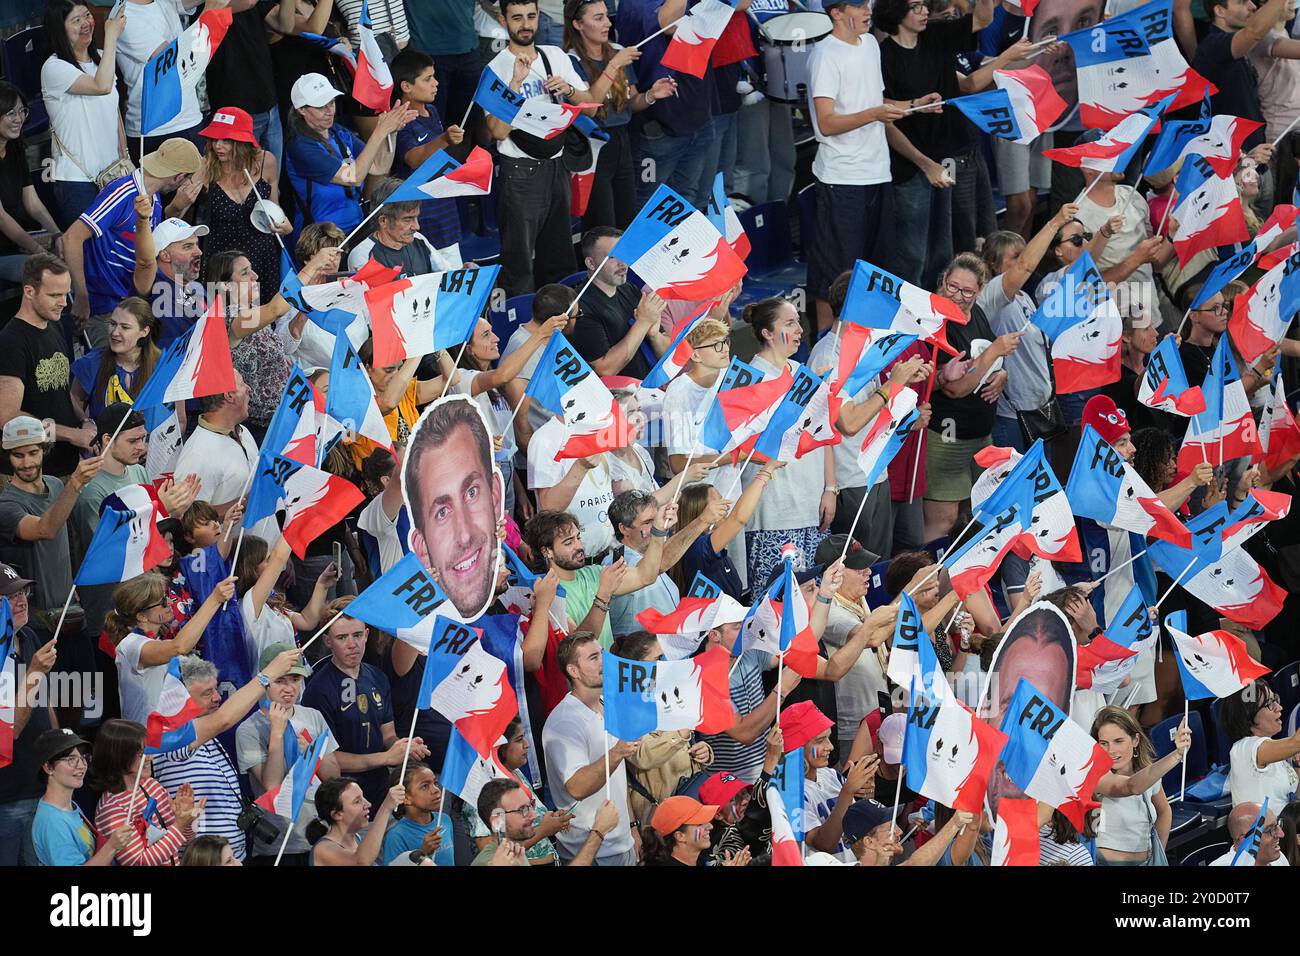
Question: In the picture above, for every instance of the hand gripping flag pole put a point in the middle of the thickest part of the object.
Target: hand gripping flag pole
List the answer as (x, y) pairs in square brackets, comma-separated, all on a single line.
[(682, 479), (920, 441)]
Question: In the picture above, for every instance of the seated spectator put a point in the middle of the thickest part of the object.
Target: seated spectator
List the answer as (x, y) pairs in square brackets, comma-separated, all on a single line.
[(618, 329), (21, 209), (342, 812), (326, 163), (1259, 766), (539, 849), (210, 850), (397, 242), (268, 618), (507, 808), (1128, 827), (100, 245), (61, 834), (269, 742), (871, 829), (79, 89), (1240, 823), (686, 399), (163, 827), (422, 831), (741, 820), (35, 363), (117, 372), (681, 835)]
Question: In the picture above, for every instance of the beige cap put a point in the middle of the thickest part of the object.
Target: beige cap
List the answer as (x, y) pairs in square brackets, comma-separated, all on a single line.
[(174, 157)]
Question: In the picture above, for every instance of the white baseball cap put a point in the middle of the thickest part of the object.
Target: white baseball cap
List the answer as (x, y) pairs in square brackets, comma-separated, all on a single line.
[(312, 89), (174, 230)]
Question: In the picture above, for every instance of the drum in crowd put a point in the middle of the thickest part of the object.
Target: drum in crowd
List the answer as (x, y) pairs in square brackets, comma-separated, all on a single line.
[(787, 43)]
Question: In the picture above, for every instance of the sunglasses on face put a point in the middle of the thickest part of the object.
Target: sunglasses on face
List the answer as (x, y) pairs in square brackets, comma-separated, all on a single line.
[(1078, 240)]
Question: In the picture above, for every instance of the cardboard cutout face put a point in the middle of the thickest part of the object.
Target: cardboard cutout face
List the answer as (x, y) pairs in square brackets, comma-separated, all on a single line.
[(454, 495)]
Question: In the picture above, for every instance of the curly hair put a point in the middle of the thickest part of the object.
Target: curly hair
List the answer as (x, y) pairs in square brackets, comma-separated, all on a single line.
[(1153, 448)]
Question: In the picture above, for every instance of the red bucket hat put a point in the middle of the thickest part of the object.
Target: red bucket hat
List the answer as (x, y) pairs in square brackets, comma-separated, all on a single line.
[(800, 723), (230, 122), (1106, 418)]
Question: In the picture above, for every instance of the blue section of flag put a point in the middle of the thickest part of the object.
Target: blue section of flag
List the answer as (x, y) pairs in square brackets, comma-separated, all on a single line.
[(1073, 299), (441, 659), (437, 165), (1165, 364), (161, 94), (1174, 136), (458, 763), (789, 780), (497, 98), (991, 112), (875, 357), (350, 393), (1249, 845), (1029, 721), (400, 598), (267, 488), (630, 711), (1093, 488), (657, 218), (153, 391), (788, 412), (702, 586), (1115, 38), (333, 321), (921, 713), (462, 296), (105, 560), (1222, 373), (296, 396), (715, 433), (1193, 689)]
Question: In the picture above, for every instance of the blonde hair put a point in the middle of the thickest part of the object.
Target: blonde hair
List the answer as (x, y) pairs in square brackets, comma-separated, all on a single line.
[(131, 599), (706, 329)]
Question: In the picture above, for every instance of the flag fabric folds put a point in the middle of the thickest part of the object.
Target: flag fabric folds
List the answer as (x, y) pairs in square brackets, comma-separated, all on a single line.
[(646, 696), (949, 753), (467, 685), (197, 363), (424, 313), (593, 420), (1104, 487), (1213, 664)]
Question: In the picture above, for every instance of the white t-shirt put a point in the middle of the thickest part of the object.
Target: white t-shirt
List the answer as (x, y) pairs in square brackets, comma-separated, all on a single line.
[(590, 505), (849, 75), (271, 627), (1136, 228), (315, 347), (819, 798), (503, 65), (538, 414), (374, 521), (1248, 784), (686, 402), (82, 123), (498, 413), (792, 497), (636, 477), (149, 26), (574, 737), (1226, 859), (222, 470), (138, 686), (251, 745)]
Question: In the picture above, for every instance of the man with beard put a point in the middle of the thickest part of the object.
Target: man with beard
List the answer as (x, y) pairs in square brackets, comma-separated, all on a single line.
[(167, 273), (534, 213), (618, 329), (454, 499)]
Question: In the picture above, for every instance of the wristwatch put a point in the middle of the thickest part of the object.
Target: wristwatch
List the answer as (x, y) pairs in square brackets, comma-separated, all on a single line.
[(263, 680)]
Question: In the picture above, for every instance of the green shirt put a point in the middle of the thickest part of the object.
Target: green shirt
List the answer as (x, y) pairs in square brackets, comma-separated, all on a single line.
[(442, 27), (579, 594)]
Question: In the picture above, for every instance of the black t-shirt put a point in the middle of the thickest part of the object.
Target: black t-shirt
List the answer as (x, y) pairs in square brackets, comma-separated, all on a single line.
[(413, 258), (972, 417), (39, 359), (603, 322), (928, 67), (14, 178), (1236, 79), (18, 781), (240, 73)]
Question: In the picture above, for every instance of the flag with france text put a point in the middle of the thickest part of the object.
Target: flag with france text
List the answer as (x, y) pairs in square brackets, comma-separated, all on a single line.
[(312, 501), (1226, 428), (881, 300), (778, 623), (467, 685), (1085, 327), (593, 420), (404, 601), (1104, 487), (949, 753), (1282, 219), (538, 115), (1215, 139), (173, 73), (912, 657), (1052, 533), (1248, 848), (688, 694), (1213, 664), (742, 406), (1024, 105), (1164, 383), (788, 777)]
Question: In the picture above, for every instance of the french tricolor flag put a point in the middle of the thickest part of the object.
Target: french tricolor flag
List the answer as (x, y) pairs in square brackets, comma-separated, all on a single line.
[(1015, 835), (197, 363), (693, 41), (1213, 664), (1208, 210), (127, 542), (778, 623), (176, 69), (1129, 628), (405, 601), (864, 353), (1215, 140), (293, 428), (1279, 434), (742, 407), (912, 658), (803, 420), (467, 685), (580, 182), (538, 115), (1164, 383), (1116, 149), (642, 697), (424, 313), (1226, 429), (677, 251), (464, 772), (372, 86), (1260, 318), (723, 216), (170, 725), (313, 501), (334, 45), (881, 300), (1097, 653), (1052, 533), (1104, 487), (1024, 105), (442, 177), (1282, 219), (785, 849), (593, 420), (1085, 327), (949, 753), (888, 431), (679, 351), (351, 398), (701, 609), (1049, 756), (286, 800), (972, 562)]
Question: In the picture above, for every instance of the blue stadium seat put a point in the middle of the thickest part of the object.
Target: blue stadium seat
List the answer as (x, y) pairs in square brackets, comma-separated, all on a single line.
[(1203, 856), (877, 596), (1162, 739), (1221, 742), (24, 53), (1185, 820), (575, 281), (517, 311), (768, 229), (1286, 684)]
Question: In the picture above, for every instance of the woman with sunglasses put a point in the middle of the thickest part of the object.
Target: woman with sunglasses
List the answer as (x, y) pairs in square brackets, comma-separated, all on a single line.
[(1259, 767)]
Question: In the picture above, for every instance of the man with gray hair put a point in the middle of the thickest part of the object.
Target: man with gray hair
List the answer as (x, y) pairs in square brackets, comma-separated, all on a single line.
[(398, 242), (633, 516)]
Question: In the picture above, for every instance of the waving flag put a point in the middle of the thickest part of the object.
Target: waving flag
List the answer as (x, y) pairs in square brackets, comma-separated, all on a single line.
[(169, 725), (1015, 835), (1208, 210), (1129, 629), (888, 431), (538, 115), (1261, 317), (9, 681), (313, 501), (1131, 61), (1099, 652), (176, 69), (467, 685), (1049, 756), (1052, 533), (165, 439), (678, 353), (646, 696), (674, 248), (803, 420), (701, 609), (972, 560), (372, 85), (742, 406), (404, 601), (1214, 140), (1226, 429), (778, 623), (723, 216), (351, 398), (464, 772), (1024, 105), (949, 753), (424, 313), (1282, 219), (286, 800), (1279, 434), (581, 181), (1085, 327), (1116, 149), (1164, 382), (785, 848), (593, 420), (1104, 487), (863, 354), (442, 177), (196, 364), (692, 42), (127, 542), (1213, 664), (334, 46), (292, 432), (789, 778), (517, 598), (326, 302), (1248, 848), (912, 658), (881, 300), (333, 321)]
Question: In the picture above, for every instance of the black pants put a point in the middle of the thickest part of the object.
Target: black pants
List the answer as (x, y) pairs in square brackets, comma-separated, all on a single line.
[(613, 191), (458, 75), (536, 238)]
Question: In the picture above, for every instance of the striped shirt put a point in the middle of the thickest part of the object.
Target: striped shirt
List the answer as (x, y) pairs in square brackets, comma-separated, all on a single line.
[(210, 771), (109, 254), (386, 16), (156, 839), (1051, 853), (747, 694)]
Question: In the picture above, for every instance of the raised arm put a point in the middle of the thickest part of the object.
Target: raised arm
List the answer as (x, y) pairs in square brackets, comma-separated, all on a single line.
[(1257, 27), (154, 653), (1014, 279), (509, 367)]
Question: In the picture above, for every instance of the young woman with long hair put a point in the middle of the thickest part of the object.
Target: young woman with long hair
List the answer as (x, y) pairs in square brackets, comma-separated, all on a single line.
[(117, 372)]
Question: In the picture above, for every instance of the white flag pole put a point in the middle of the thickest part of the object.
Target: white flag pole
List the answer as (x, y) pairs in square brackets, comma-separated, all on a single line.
[(240, 497), (1119, 567), (415, 715), (455, 365), (735, 484), (370, 215), (848, 541), (328, 625), (682, 479), (637, 46), (1285, 131), (64, 613), (1182, 786), (590, 279)]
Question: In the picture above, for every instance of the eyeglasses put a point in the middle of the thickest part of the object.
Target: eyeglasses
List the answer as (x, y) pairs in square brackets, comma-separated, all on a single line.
[(957, 292), (1220, 309), (528, 809), (1078, 240), (72, 759), (18, 113), (1275, 830), (917, 7), (722, 345)]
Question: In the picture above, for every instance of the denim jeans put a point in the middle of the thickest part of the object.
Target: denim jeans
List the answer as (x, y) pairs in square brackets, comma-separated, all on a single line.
[(536, 241), (922, 230), (16, 847), (724, 128), (677, 161), (1006, 434), (1072, 404), (11, 267), (269, 133), (71, 199)]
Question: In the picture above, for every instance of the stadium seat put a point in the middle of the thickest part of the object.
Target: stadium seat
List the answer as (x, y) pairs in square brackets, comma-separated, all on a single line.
[(807, 213), (877, 596), (768, 229), (24, 53), (1286, 684), (1203, 856), (1162, 739), (575, 281), (1221, 742), (517, 311)]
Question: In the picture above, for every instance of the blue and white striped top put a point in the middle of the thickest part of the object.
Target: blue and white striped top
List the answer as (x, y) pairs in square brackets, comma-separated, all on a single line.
[(211, 772)]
